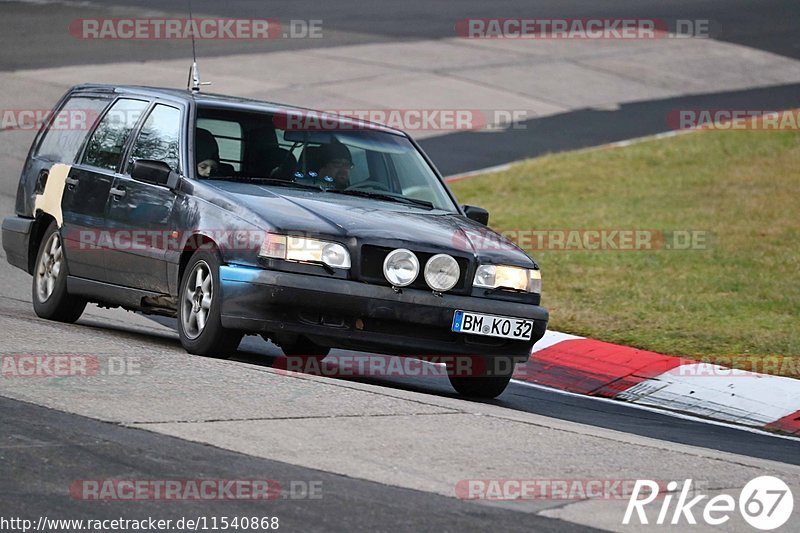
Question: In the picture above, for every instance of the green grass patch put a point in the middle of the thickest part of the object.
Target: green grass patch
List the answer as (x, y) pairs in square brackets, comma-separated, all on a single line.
[(740, 296)]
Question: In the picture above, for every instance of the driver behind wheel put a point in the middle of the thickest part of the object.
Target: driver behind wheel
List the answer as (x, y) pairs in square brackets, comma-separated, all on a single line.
[(336, 163)]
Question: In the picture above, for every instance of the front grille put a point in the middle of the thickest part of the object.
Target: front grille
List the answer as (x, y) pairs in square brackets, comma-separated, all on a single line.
[(372, 258)]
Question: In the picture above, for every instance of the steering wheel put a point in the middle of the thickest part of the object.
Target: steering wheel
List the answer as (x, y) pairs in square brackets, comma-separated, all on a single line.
[(368, 185)]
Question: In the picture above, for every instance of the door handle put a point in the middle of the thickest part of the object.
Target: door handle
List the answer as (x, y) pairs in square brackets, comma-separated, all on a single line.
[(117, 193), (71, 181)]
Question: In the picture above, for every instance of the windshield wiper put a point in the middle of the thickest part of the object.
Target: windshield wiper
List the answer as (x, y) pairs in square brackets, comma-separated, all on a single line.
[(383, 196), (269, 181)]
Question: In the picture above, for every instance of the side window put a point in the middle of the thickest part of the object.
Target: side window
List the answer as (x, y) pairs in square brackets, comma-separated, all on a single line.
[(68, 129), (160, 137), (228, 135), (105, 146)]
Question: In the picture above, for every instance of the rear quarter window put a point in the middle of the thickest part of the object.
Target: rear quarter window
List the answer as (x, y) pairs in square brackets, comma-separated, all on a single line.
[(66, 132)]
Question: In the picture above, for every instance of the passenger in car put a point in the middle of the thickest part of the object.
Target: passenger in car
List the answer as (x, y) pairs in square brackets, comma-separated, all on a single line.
[(207, 156), (207, 168), (336, 163)]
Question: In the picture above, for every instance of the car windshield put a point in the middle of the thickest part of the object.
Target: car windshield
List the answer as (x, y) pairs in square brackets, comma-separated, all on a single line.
[(318, 154)]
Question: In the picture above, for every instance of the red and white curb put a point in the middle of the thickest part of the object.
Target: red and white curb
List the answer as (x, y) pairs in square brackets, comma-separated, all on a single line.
[(597, 368)]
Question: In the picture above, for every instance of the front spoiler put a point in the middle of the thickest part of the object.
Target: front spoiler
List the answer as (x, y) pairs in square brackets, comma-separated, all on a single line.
[(354, 315)]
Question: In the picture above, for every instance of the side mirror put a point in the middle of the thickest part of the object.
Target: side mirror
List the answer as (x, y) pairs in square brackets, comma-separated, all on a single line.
[(478, 214), (155, 172)]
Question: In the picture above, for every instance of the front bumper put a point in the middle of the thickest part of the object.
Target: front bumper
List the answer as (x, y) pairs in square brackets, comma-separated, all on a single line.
[(354, 315), (16, 240)]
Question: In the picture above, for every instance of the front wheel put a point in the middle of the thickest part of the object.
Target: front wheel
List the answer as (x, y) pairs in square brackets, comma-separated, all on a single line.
[(199, 303), (487, 380), (49, 289), (480, 387)]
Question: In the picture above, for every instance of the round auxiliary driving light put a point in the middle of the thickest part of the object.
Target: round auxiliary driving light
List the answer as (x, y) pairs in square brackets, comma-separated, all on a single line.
[(401, 267), (442, 272)]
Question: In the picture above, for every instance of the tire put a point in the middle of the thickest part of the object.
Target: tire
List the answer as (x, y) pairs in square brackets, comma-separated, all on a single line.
[(199, 302), (491, 382), (49, 287), (486, 387)]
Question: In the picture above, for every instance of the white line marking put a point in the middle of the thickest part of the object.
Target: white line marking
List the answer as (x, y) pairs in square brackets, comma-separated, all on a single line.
[(552, 338), (496, 168)]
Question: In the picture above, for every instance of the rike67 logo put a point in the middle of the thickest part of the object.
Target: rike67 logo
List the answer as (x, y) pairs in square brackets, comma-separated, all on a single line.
[(766, 503)]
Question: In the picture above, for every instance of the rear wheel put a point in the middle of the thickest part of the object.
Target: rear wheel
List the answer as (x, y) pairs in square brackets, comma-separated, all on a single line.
[(49, 288), (199, 303)]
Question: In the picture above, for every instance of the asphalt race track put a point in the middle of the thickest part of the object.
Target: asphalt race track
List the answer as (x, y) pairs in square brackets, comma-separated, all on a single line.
[(75, 445), (174, 392), (389, 452), (769, 26)]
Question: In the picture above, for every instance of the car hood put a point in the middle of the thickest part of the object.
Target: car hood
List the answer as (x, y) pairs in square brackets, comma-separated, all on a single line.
[(371, 221)]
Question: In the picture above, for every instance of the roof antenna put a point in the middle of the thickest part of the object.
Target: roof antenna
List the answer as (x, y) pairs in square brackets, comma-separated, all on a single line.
[(193, 83)]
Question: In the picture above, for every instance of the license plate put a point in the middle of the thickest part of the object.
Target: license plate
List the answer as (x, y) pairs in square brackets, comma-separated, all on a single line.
[(492, 326)]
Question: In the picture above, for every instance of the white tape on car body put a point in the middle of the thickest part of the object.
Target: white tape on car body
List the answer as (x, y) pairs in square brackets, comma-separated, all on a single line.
[(50, 200)]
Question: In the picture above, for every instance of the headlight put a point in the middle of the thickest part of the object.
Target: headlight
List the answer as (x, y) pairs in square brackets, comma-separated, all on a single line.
[(401, 267), (442, 272), (305, 250), (507, 277)]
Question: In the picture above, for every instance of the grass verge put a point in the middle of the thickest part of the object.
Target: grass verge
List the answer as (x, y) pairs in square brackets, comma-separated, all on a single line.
[(737, 297)]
